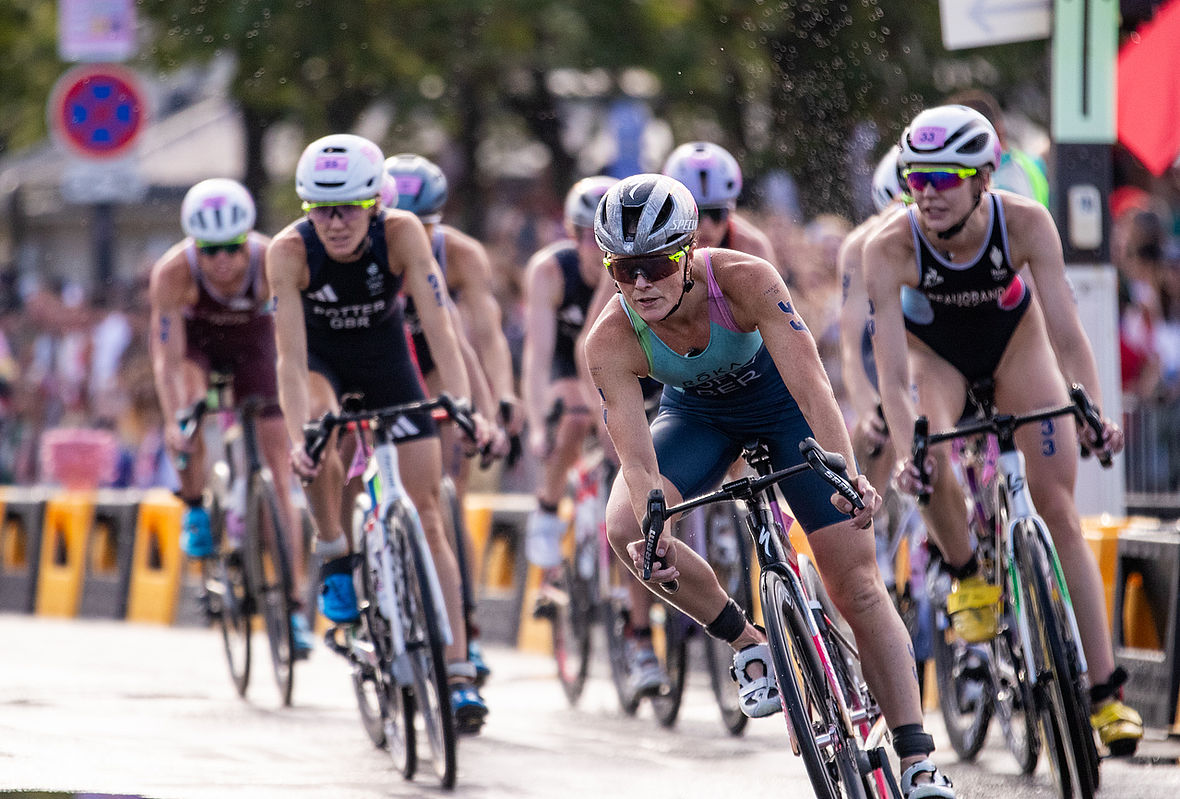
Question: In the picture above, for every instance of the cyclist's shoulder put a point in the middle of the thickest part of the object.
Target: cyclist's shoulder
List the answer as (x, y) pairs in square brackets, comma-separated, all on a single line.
[(171, 272), (465, 253), (548, 257), (749, 237)]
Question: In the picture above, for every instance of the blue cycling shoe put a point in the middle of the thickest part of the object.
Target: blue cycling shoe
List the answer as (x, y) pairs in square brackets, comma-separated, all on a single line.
[(475, 658), (469, 708), (301, 633), (196, 539), (338, 598)]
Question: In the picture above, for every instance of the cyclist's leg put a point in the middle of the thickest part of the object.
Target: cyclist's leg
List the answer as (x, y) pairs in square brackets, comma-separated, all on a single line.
[(196, 537), (544, 531)]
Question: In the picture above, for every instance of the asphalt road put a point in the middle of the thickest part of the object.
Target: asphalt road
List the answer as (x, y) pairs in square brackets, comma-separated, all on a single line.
[(129, 709)]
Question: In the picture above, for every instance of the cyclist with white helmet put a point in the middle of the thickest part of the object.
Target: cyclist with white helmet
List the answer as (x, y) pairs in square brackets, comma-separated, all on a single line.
[(336, 274), (419, 186), (859, 371), (719, 329), (713, 176), (965, 254), (209, 311), (559, 282)]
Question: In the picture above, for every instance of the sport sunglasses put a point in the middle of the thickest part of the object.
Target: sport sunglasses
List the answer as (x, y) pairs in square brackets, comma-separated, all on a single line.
[(940, 178), (211, 248), (346, 210), (652, 267)]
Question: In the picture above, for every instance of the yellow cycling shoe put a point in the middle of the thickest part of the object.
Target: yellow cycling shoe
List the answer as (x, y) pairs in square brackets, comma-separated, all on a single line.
[(974, 608), (1120, 727)]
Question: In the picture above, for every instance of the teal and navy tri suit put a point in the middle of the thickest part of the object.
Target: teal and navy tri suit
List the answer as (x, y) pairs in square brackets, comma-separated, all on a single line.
[(718, 400), (355, 333), (967, 312)]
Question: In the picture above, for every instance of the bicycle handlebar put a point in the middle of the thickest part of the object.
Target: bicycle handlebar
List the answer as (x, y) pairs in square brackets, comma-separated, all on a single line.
[(1081, 408), (316, 434), (189, 420), (830, 466)]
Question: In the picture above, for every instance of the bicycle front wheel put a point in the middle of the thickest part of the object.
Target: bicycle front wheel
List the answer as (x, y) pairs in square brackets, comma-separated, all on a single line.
[(812, 711), (271, 574), (674, 657), (233, 606), (424, 638), (1063, 709), (572, 609)]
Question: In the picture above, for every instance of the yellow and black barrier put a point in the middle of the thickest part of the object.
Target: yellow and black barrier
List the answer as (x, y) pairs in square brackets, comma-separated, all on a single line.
[(107, 580), (21, 518), (65, 537), (157, 564)]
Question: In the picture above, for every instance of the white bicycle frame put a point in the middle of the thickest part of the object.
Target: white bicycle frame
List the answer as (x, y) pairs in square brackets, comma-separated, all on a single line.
[(1010, 473), (382, 477)]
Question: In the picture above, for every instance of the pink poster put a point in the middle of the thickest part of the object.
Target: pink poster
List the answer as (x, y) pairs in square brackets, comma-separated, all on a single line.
[(96, 30)]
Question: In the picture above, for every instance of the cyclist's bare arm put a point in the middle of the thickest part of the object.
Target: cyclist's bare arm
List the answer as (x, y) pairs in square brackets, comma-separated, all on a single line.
[(759, 299), (542, 296), (889, 264), (171, 289), (854, 313), (469, 272), (287, 274), (409, 255), (604, 292), (616, 362)]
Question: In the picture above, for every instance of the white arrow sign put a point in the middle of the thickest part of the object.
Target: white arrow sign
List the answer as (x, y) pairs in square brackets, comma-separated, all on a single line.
[(977, 23)]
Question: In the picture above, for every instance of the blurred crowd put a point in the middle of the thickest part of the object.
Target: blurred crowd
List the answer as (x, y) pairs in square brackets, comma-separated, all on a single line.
[(70, 359)]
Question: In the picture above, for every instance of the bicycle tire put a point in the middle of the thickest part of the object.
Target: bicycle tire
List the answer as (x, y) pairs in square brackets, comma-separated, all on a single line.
[(806, 697), (729, 556), (235, 616), (456, 529), (571, 626), (1063, 715), (386, 707), (616, 618), (267, 541), (674, 659), (424, 639)]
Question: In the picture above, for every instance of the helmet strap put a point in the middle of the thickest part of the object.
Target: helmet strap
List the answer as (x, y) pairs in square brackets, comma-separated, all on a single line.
[(685, 287), (954, 229)]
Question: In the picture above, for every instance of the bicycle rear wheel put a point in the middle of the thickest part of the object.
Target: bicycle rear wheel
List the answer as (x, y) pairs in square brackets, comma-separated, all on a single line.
[(727, 553), (615, 620), (571, 622), (424, 637), (811, 709), (234, 609), (1063, 709), (267, 541)]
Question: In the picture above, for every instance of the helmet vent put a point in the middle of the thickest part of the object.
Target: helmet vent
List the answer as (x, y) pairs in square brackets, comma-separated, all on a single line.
[(975, 144), (664, 215), (631, 216)]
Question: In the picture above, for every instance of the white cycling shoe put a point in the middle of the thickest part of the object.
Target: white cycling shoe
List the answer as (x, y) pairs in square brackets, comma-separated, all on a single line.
[(940, 788), (757, 696)]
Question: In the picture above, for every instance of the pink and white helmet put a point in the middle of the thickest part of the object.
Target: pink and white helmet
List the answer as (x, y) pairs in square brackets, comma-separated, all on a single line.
[(950, 134), (217, 210), (710, 172), (339, 168)]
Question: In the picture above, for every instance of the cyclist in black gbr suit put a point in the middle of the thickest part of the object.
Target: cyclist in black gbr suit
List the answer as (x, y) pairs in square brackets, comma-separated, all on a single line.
[(973, 316), (338, 324)]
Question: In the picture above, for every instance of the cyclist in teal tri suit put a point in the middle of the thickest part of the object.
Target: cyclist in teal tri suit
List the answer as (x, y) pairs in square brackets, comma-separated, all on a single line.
[(719, 329)]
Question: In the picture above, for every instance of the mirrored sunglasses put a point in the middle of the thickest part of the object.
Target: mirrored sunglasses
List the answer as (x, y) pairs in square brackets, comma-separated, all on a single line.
[(347, 211), (715, 214), (228, 247), (652, 267), (941, 179)]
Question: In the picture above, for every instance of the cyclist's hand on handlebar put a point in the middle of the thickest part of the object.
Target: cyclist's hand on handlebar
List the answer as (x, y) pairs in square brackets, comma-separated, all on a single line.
[(863, 516), (908, 479), (302, 464), (663, 566), (1112, 438), (870, 435)]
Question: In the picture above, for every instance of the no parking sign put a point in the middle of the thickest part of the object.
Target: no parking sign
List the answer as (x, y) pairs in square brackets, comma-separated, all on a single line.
[(98, 110)]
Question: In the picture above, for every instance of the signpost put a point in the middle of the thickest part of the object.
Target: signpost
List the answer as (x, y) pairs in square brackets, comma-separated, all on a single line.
[(976, 23)]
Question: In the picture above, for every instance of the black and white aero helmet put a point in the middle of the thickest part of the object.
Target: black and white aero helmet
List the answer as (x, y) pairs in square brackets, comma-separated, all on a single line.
[(645, 214), (581, 201), (950, 134), (887, 181), (217, 210), (709, 170), (339, 168)]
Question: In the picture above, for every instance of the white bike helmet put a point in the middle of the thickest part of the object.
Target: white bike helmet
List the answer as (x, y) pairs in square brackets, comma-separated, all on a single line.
[(421, 185), (339, 168), (887, 181), (217, 210), (710, 172), (645, 214), (581, 201), (950, 134)]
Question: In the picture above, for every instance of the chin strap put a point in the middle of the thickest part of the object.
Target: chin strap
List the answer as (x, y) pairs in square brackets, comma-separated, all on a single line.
[(954, 229), (684, 289)]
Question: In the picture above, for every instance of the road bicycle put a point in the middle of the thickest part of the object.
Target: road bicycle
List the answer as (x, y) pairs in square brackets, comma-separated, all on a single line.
[(397, 646), (251, 573), (833, 721), (1032, 675), (587, 590)]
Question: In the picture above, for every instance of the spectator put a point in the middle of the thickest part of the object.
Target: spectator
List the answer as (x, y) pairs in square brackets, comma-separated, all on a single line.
[(1019, 171)]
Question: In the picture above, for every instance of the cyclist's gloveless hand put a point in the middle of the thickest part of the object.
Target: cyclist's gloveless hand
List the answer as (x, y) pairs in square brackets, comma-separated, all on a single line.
[(1112, 438), (908, 480), (869, 436), (663, 564), (861, 517), (176, 440), (302, 464)]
